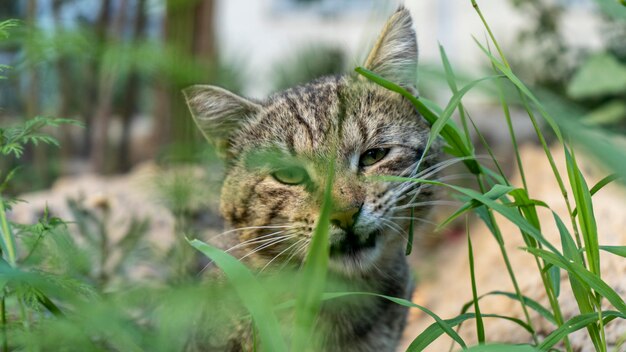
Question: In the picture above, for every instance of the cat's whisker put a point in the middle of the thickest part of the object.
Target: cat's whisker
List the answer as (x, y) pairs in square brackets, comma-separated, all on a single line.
[(409, 193), (302, 250), (455, 177), (414, 218), (440, 166), (392, 225), (273, 227), (257, 239), (301, 247), (400, 231), (427, 203), (260, 248), (281, 253)]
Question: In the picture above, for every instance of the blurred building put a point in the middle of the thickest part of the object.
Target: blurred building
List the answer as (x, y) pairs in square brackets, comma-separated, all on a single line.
[(261, 33)]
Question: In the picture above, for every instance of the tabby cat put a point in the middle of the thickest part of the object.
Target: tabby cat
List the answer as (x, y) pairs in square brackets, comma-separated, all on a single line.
[(273, 203)]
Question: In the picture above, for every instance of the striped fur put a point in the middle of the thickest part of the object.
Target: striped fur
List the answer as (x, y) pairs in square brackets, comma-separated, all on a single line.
[(333, 118)]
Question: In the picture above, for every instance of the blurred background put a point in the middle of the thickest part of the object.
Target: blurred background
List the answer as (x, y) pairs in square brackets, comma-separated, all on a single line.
[(118, 66), (137, 178)]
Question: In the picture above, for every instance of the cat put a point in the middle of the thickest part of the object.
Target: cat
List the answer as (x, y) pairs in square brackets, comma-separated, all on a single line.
[(275, 201)]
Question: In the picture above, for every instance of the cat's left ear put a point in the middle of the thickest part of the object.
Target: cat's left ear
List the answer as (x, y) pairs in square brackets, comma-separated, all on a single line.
[(218, 113), (394, 55)]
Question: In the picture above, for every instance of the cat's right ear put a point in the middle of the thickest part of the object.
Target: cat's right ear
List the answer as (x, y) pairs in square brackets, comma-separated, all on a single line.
[(218, 113), (394, 56)]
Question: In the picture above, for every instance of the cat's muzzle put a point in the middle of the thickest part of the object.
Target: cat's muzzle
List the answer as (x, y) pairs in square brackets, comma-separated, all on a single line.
[(350, 243)]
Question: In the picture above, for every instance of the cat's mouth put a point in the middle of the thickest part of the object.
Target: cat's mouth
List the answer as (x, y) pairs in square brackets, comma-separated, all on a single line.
[(351, 243)]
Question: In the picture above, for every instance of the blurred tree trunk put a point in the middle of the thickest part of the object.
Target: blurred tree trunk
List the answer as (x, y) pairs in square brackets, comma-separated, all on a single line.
[(65, 93), (108, 73), (132, 89), (32, 107), (189, 34), (89, 76)]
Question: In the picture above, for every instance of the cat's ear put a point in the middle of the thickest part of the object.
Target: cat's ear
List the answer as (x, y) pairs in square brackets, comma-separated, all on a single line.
[(394, 55), (218, 112)]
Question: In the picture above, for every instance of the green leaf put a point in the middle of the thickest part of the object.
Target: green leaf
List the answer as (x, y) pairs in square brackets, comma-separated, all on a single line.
[(583, 275), (529, 302), (610, 113), (586, 217), (432, 332), (574, 324), (528, 209), (554, 274), (442, 325), (480, 327), (598, 186), (617, 250), (501, 348), (313, 275), (496, 192), (252, 294), (522, 87), (555, 258), (600, 75), (453, 104), (431, 105)]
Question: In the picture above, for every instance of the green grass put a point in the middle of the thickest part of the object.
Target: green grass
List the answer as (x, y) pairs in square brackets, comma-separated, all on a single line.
[(45, 307)]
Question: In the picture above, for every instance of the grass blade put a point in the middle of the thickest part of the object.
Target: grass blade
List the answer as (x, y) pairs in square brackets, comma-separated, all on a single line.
[(6, 235), (582, 292), (617, 250), (574, 324), (496, 192), (432, 332), (586, 217), (598, 186), (443, 325), (583, 275), (532, 304), (252, 294), (453, 104), (451, 79), (502, 347), (480, 327), (309, 300), (449, 132), (522, 87)]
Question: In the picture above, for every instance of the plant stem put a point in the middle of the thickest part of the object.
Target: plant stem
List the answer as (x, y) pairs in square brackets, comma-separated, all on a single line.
[(493, 38), (507, 262), (7, 235), (554, 303), (3, 320)]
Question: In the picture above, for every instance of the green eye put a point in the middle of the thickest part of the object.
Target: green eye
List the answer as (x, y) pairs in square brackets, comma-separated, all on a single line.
[(291, 175), (372, 156)]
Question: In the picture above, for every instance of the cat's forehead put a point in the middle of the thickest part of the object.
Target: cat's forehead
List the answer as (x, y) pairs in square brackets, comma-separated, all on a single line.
[(340, 111)]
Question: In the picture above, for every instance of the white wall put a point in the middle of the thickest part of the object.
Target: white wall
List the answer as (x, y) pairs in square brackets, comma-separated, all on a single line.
[(255, 33)]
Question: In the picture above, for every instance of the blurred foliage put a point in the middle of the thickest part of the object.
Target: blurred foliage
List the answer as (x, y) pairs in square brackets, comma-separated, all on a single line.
[(595, 80), (307, 64), (118, 68)]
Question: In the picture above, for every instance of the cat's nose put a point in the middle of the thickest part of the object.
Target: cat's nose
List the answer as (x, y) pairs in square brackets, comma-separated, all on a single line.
[(345, 218)]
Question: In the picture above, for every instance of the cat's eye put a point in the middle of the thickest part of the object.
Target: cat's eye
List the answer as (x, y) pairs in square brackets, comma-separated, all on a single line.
[(291, 175), (372, 156)]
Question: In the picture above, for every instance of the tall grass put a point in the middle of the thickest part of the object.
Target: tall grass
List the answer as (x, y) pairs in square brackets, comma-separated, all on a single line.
[(43, 309)]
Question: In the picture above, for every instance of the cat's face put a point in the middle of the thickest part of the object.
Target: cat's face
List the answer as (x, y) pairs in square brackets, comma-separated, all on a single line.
[(279, 152)]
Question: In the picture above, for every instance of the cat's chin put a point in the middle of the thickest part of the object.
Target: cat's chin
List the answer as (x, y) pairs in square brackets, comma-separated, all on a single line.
[(350, 257)]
